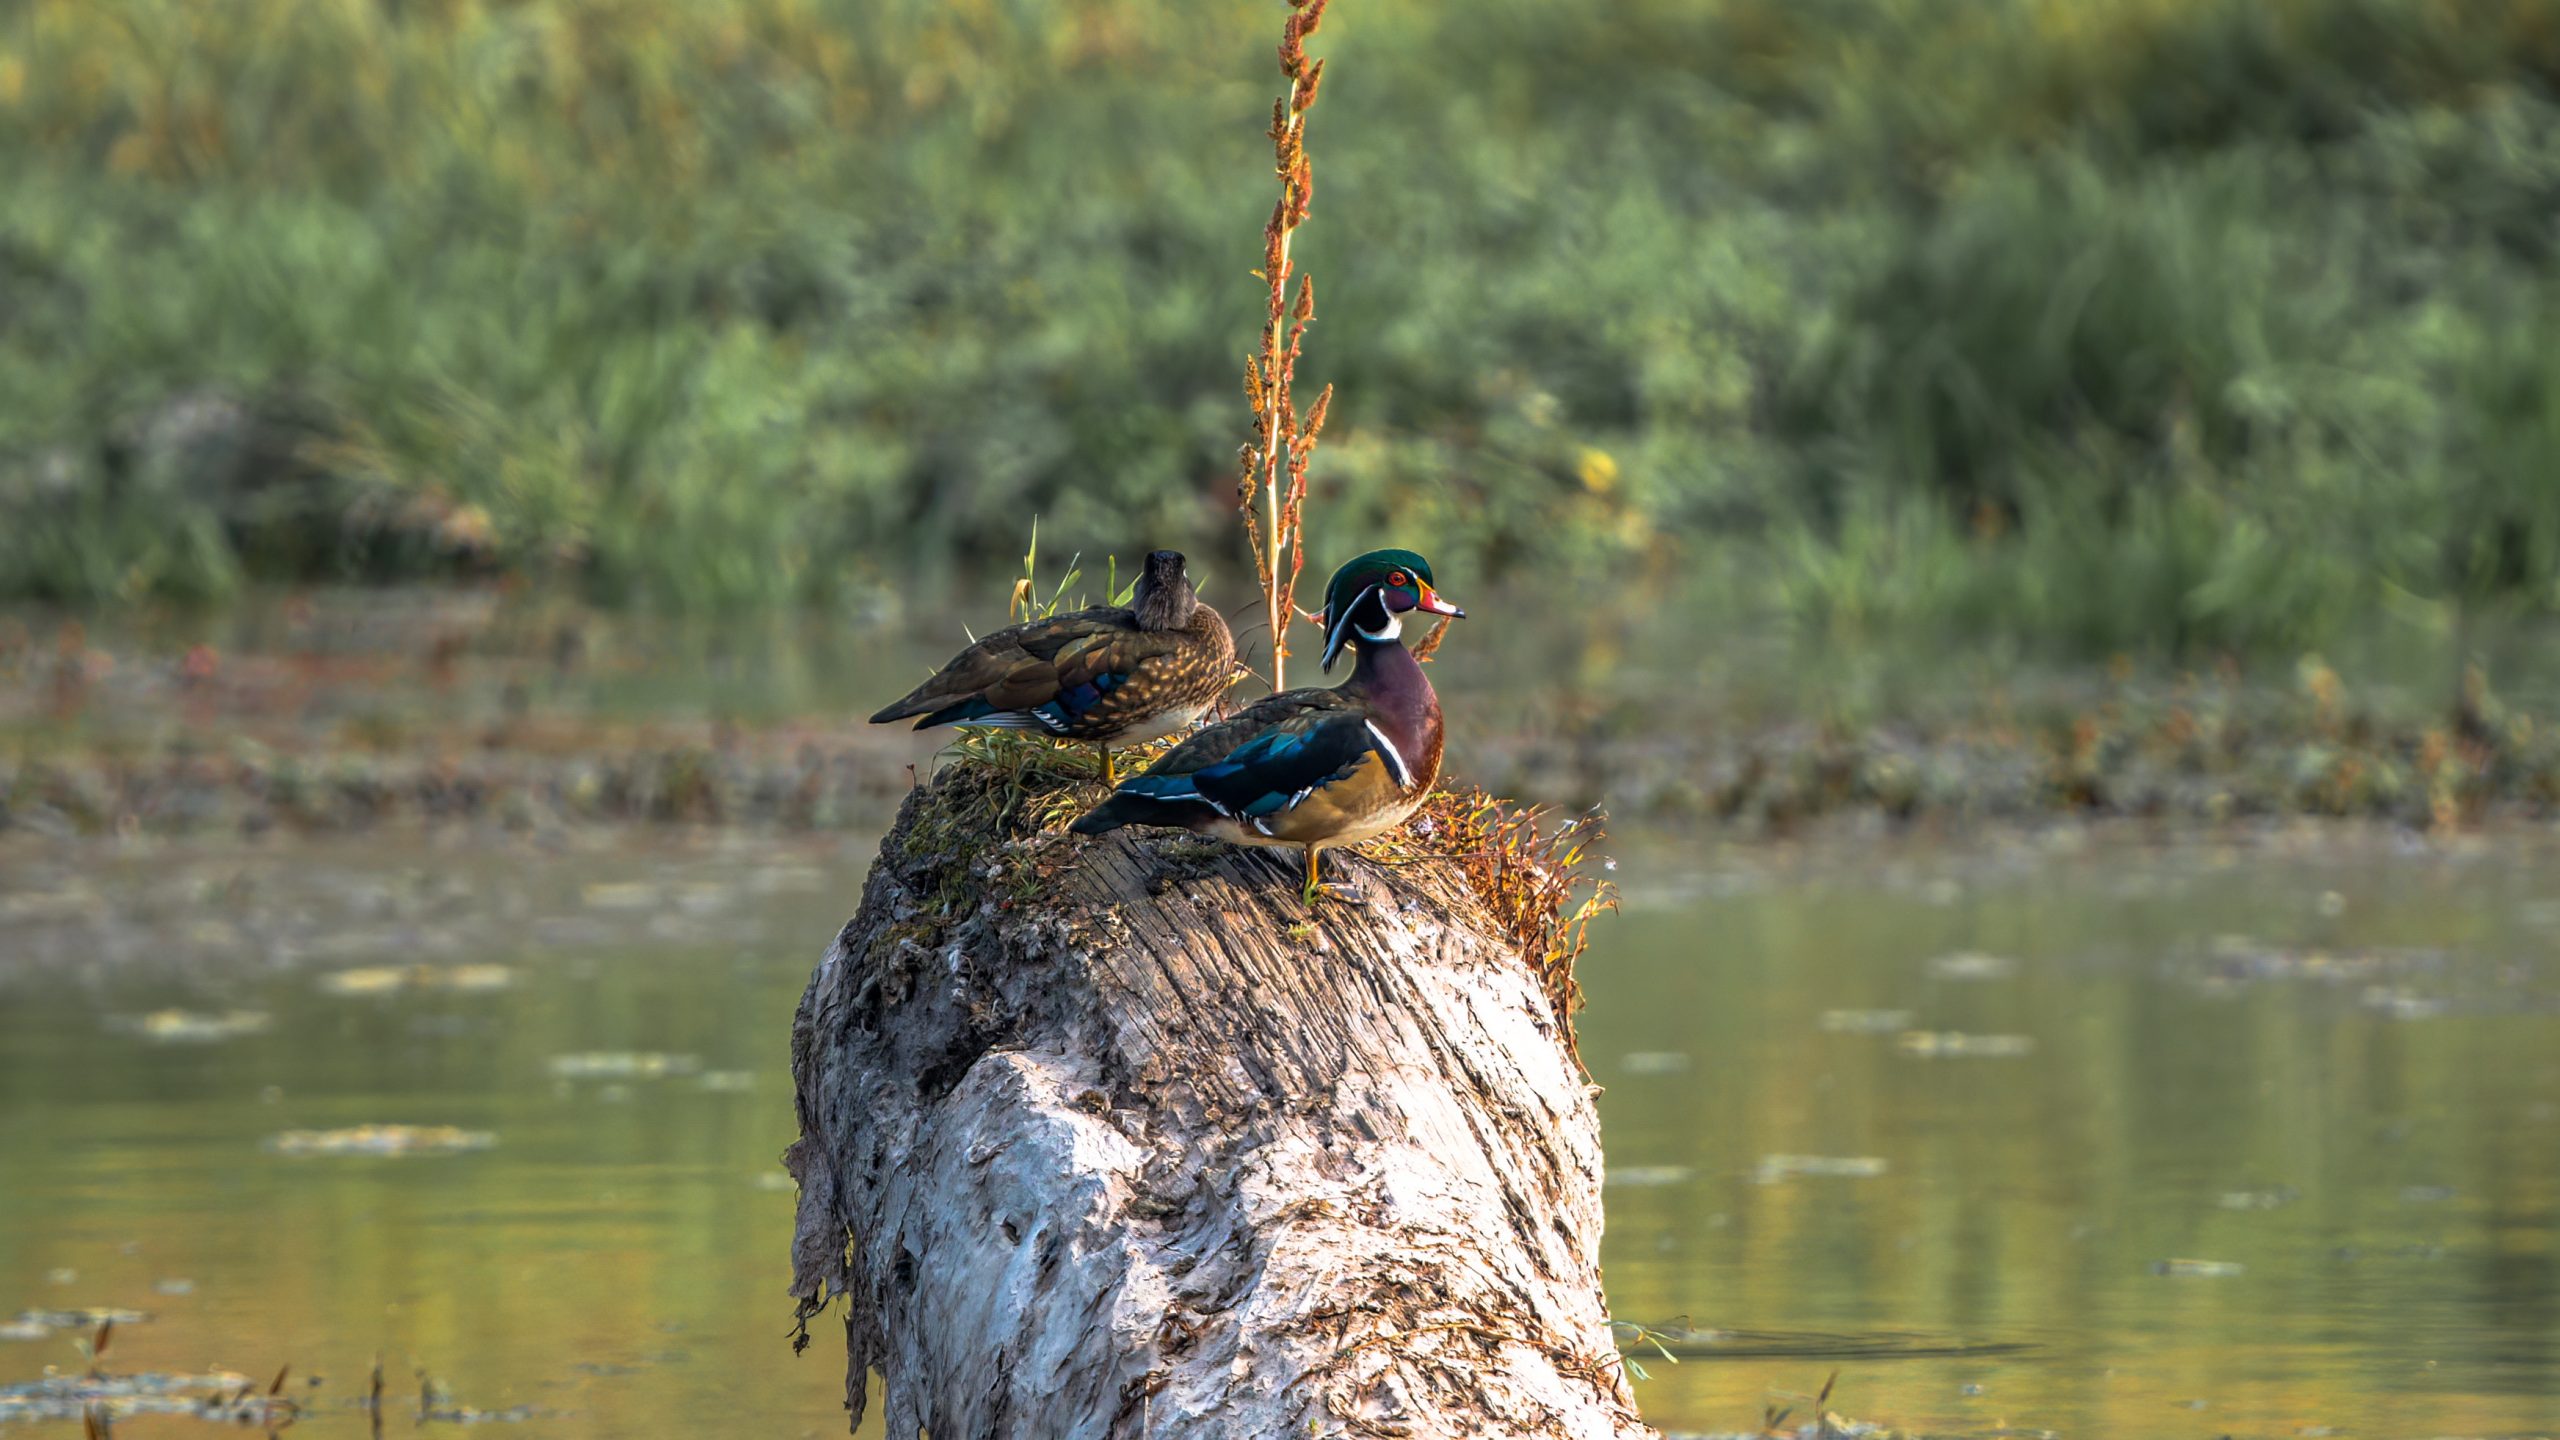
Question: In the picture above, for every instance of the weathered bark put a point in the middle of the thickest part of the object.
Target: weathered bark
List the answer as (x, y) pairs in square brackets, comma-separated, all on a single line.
[(1136, 1146)]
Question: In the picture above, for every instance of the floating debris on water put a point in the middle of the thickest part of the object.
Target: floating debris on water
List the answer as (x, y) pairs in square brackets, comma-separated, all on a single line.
[(727, 1082), (1774, 1168), (2199, 1269), (623, 1065), (2399, 1002), (23, 1330), (468, 1415), (777, 1180), (622, 895), (1865, 1022), (218, 1395), (2274, 1199), (436, 1406), (381, 1140), (188, 1027), (52, 905), (1651, 1174), (785, 879), (1948, 1044), (1655, 1062), (98, 1399), (174, 1285), (561, 932), (52, 1320), (705, 897), (392, 979), (1972, 965), (2241, 959)]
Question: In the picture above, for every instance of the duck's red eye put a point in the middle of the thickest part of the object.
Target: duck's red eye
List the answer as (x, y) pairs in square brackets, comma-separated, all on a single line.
[(1398, 578)]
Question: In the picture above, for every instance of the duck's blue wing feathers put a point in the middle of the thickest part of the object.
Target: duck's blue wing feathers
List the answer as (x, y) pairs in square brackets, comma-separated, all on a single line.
[(1268, 765)]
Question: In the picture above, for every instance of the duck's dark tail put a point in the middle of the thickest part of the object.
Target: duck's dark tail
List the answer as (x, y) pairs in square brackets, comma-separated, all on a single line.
[(931, 710), (1123, 808), (1106, 817)]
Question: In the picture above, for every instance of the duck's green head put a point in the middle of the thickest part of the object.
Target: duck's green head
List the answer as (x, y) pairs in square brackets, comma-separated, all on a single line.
[(1370, 595)]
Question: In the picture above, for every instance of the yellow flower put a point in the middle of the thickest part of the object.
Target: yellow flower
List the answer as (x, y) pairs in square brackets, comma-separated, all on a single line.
[(1599, 471), (467, 527)]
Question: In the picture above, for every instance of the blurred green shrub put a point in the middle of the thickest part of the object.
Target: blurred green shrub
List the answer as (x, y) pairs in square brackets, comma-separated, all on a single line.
[(2104, 324)]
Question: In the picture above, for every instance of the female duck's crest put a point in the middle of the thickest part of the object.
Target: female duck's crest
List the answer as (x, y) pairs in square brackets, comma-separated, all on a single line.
[(1369, 595), (1164, 599)]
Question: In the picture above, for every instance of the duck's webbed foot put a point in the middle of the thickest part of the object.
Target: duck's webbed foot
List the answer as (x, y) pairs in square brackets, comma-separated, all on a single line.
[(1317, 887)]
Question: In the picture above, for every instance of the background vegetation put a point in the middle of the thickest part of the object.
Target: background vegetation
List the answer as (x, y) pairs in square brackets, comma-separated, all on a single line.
[(2173, 326)]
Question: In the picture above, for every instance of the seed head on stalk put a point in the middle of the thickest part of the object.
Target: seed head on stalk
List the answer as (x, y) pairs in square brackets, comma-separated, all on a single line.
[(1272, 488)]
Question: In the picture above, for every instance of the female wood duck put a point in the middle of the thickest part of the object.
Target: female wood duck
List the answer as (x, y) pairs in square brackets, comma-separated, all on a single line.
[(1104, 675), (1312, 767)]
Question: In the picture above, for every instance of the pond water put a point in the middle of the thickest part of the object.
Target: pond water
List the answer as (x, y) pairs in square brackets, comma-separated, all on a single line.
[(2099, 1138)]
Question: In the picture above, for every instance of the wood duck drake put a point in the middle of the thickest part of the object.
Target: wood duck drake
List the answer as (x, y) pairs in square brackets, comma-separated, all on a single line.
[(1103, 675), (1312, 767)]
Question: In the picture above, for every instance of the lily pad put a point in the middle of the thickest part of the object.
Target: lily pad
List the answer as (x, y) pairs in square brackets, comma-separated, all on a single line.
[(188, 1027), (623, 1065), (1948, 1044), (393, 979), (1774, 1168), (2199, 1269), (1972, 965), (381, 1140), (1647, 1175), (1865, 1022)]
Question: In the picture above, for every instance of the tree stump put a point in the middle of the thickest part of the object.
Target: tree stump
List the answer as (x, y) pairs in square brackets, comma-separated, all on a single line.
[(1117, 1138)]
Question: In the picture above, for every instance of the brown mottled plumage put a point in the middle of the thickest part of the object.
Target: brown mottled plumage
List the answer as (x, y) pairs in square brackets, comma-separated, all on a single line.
[(1103, 675)]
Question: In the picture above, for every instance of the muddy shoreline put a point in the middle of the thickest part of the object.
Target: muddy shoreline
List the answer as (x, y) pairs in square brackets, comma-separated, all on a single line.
[(1771, 783), (350, 711)]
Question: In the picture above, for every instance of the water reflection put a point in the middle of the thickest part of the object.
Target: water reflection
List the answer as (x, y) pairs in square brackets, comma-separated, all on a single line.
[(2251, 1189), (512, 1188), (2280, 1138)]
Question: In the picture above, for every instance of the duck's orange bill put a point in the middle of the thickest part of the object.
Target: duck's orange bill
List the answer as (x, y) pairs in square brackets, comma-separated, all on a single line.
[(1432, 602)]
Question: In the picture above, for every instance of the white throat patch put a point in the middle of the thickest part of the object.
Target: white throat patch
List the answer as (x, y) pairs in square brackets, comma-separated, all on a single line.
[(1394, 630)]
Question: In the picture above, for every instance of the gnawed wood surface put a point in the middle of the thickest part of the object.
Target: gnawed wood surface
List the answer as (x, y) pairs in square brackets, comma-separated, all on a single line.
[(1139, 1146)]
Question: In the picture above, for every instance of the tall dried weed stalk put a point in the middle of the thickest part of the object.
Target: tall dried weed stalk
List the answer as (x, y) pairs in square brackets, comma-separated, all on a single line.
[(1274, 462), (1533, 881)]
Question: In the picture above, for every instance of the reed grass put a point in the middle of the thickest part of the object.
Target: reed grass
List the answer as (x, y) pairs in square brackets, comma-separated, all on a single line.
[(1909, 320)]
